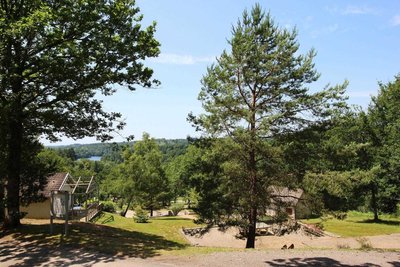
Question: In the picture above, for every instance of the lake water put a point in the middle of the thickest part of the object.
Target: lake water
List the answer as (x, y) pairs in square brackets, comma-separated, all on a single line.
[(94, 158)]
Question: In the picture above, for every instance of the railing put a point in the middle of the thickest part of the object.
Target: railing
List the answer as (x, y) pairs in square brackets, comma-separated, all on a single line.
[(92, 211)]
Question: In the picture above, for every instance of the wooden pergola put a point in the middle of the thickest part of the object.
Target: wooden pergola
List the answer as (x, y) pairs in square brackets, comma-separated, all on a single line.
[(76, 199)]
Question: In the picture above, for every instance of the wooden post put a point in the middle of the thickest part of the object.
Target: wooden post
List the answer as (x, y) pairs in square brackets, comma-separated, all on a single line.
[(51, 211), (66, 212), (86, 208)]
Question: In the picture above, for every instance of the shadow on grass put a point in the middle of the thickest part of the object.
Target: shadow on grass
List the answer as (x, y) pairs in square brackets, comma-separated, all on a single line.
[(315, 261), (166, 218), (386, 222), (32, 245)]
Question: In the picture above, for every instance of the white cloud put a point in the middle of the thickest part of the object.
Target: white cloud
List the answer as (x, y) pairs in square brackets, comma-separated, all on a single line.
[(358, 10), (176, 59), (396, 20)]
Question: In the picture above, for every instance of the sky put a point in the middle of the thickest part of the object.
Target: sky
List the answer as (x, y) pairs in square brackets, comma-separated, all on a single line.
[(355, 40)]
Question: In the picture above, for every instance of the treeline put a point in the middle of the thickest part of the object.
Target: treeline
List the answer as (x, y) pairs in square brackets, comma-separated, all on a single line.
[(112, 151)]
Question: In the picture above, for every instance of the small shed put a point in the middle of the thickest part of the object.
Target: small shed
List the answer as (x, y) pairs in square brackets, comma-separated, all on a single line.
[(291, 201), (80, 192), (41, 210)]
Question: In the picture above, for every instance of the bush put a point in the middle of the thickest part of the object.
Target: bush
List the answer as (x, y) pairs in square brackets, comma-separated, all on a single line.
[(329, 215), (320, 226), (140, 215), (280, 217), (120, 203), (343, 246), (176, 208), (340, 215), (365, 244), (108, 206)]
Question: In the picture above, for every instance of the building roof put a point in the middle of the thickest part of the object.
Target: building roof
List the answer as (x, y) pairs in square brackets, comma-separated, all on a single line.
[(286, 195), (54, 183)]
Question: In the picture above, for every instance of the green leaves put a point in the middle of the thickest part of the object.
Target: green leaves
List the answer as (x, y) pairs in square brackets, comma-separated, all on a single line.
[(66, 51), (54, 57), (143, 176)]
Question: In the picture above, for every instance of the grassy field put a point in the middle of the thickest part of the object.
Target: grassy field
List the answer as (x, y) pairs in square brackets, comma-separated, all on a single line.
[(113, 235), (119, 237), (162, 230), (359, 224)]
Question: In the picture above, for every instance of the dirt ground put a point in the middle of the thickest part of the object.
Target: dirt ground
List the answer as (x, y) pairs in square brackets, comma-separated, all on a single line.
[(308, 251), (217, 238)]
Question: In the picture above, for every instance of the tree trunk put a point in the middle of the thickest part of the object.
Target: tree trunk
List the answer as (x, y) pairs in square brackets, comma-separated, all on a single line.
[(127, 207), (374, 205), (1, 199), (14, 134), (12, 188), (251, 233), (151, 211)]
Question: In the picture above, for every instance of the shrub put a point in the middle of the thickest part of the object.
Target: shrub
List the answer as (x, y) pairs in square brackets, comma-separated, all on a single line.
[(365, 244), (280, 217), (140, 215), (108, 206), (120, 203), (320, 226), (340, 215), (176, 208), (343, 246), (329, 215)]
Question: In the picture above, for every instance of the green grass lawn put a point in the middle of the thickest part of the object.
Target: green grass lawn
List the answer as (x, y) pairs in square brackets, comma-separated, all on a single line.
[(113, 235), (359, 224), (166, 227)]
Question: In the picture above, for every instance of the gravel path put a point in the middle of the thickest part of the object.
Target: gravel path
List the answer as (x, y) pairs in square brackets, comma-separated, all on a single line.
[(334, 258), (14, 254)]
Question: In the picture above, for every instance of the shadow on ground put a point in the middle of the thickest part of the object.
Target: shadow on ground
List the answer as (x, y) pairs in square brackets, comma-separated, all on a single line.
[(314, 261), (32, 245), (386, 222)]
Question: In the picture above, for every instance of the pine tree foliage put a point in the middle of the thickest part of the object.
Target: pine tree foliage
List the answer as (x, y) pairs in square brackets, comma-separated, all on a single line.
[(257, 90)]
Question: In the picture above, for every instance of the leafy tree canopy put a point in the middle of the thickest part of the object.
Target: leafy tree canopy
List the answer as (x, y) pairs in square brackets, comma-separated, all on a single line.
[(54, 57)]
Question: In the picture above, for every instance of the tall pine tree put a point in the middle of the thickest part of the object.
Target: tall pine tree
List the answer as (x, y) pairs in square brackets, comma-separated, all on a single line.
[(255, 91)]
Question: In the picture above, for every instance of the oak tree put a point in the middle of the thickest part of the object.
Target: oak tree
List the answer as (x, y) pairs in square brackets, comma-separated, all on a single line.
[(55, 56)]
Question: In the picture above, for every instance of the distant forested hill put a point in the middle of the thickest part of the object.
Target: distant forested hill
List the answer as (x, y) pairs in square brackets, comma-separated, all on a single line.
[(169, 147)]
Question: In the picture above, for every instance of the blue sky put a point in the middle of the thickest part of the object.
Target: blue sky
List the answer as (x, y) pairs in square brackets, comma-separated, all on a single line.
[(355, 40)]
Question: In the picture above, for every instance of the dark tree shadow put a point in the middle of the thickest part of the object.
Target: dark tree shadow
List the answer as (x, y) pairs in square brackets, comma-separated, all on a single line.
[(387, 222), (168, 218), (395, 263), (315, 261), (32, 245)]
